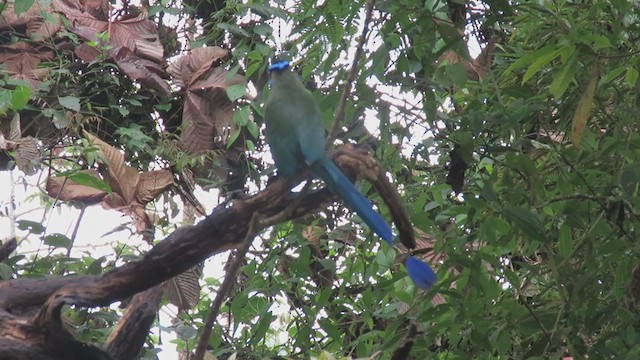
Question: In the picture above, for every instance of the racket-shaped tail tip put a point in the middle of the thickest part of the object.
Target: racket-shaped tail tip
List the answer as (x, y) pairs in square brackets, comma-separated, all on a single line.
[(420, 273)]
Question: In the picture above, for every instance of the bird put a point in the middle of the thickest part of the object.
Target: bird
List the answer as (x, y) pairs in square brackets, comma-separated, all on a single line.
[(296, 136)]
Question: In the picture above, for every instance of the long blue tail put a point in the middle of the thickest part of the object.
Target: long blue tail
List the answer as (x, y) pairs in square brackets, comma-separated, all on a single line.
[(344, 188), (420, 272)]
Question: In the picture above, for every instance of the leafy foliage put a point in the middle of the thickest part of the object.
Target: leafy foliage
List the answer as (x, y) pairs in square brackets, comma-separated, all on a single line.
[(517, 161)]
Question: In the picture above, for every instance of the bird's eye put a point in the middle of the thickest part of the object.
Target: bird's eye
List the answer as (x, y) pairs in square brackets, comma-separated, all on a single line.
[(279, 65)]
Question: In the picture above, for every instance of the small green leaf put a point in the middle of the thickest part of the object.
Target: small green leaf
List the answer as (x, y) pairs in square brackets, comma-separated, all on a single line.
[(563, 78), (70, 102), (235, 92), (234, 29), (263, 29), (250, 145), (457, 73), (332, 331), (260, 330), (632, 76), (162, 107), (123, 111), (22, 6), (6, 271), (233, 138), (134, 102), (539, 63), (253, 129), (253, 68), (612, 75), (526, 220), (241, 116), (20, 97), (85, 179), (185, 332), (5, 100), (57, 240), (564, 241), (95, 268), (31, 226)]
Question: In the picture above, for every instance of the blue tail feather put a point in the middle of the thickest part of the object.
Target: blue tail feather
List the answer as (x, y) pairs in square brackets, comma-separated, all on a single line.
[(344, 188), (420, 273), (326, 169)]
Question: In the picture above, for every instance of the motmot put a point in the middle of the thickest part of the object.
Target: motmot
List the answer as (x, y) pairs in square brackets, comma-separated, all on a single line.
[(296, 135)]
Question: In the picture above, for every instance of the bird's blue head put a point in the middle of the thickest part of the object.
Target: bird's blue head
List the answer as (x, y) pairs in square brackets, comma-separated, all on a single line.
[(279, 65)]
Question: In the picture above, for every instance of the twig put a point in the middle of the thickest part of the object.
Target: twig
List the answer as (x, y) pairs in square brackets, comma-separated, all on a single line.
[(75, 229), (225, 288), (352, 73), (595, 198)]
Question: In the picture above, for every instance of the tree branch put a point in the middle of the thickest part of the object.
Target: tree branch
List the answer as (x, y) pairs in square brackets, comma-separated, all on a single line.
[(353, 71), (226, 228)]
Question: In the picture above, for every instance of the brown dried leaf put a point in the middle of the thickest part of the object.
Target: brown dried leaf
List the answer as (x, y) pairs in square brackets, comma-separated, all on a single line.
[(86, 53), (153, 183), (134, 210), (583, 110), (207, 116), (15, 129), (6, 144), (122, 178), (131, 190), (198, 60), (9, 19), (62, 188), (36, 26), (425, 244), (207, 119), (138, 34), (183, 290), (27, 155), (21, 61), (144, 71)]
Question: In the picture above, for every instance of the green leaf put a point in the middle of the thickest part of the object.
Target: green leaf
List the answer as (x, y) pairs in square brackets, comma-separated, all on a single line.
[(263, 29), (267, 12), (162, 107), (70, 102), (5, 100), (457, 73), (96, 268), (253, 129), (332, 331), (85, 179), (539, 63), (185, 332), (22, 6), (564, 77), (526, 220), (260, 330), (612, 75), (632, 76), (57, 240), (31, 226), (565, 244), (123, 111), (20, 97), (233, 138), (235, 92), (529, 58), (6, 271), (241, 116), (234, 29)]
